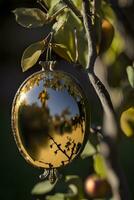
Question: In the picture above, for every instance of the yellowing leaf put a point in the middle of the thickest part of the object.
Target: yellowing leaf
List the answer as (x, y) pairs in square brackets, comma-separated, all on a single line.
[(31, 55), (99, 165), (127, 122), (30, 17)]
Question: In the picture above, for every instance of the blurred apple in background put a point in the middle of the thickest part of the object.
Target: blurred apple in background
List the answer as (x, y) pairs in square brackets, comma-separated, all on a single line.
[(97, 187)]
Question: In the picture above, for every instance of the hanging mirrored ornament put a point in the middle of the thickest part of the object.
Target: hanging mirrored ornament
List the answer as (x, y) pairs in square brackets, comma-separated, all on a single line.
[(49, 121)]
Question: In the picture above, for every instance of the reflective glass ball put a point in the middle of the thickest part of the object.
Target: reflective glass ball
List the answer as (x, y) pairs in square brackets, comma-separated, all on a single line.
[(49, 119)]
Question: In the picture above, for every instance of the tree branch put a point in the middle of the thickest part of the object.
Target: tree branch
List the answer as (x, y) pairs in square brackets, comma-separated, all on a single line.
[(71, 5), (59, 147), (110, 126), (87, 19)]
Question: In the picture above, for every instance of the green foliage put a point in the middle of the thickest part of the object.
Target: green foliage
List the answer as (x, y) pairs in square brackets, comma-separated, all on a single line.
[(62, 51), (130, 74), (58, 196), (42, 188), (51, 3), (30, 17), (32, 54), (99, 165), (56, 8), (70, 189), (89, 150), (127, 122), (63, 28), (75, 184), (64, 34)]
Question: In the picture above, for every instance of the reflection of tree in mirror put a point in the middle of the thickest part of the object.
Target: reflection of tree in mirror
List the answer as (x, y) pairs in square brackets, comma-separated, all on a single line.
[(38, 127), (34, 81), (51, 119), (60, 82), (69, 150), (43, 97), (34, 123)]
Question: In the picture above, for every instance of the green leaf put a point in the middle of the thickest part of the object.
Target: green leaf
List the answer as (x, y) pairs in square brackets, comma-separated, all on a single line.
[(78, 4), (30, 17), (42, 188), (73, 189), (130, 74), (51, 3), (89, 150), (75, 184), (58, 196), (99, 165), (62, 51), (64, 34), (72, 178), (127, 122), (60, 22), (56, 8), (32, 54)]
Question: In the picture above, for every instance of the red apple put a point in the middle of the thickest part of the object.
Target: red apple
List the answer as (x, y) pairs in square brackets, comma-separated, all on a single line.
[(97, 187)]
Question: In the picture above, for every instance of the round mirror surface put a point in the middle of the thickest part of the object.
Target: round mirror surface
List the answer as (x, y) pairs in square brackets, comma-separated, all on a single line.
[(48, 119)]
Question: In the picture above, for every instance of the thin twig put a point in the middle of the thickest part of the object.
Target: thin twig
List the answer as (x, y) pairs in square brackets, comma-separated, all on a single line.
[(42, 5), (76, 45), (59, 147)]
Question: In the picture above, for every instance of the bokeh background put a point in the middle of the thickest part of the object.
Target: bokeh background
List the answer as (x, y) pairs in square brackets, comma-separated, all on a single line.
[(17, 178)]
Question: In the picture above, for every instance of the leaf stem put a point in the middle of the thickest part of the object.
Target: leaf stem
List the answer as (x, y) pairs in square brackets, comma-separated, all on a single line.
[(76, 45), (42, 5)]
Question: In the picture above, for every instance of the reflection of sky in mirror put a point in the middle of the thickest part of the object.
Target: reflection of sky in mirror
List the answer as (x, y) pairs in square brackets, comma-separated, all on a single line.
[(59, 101)]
